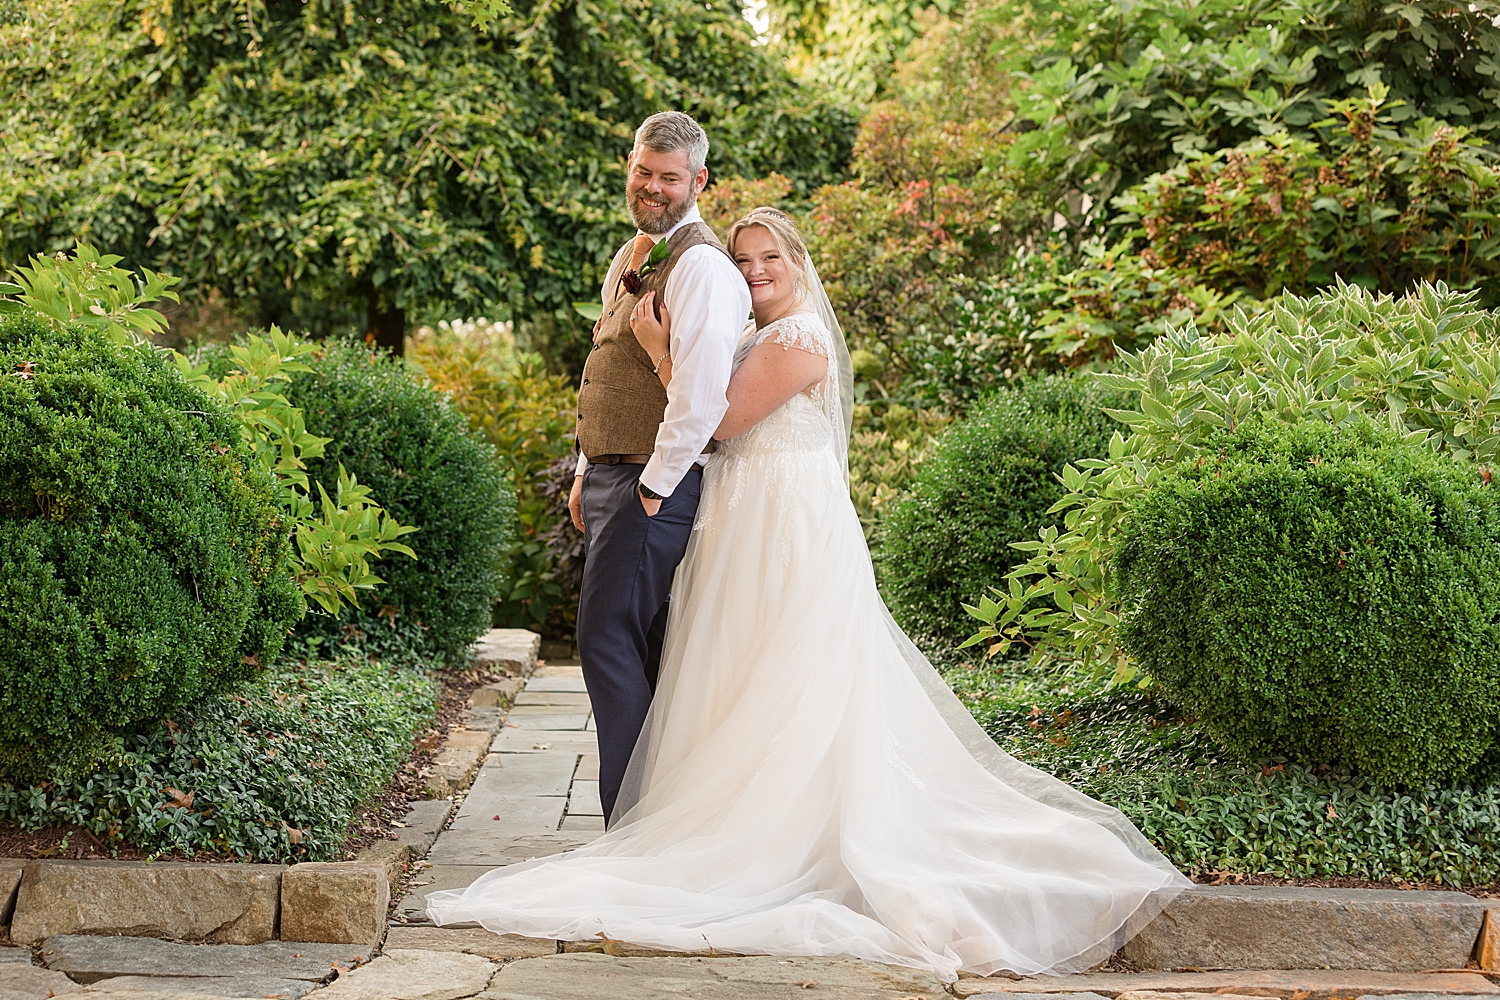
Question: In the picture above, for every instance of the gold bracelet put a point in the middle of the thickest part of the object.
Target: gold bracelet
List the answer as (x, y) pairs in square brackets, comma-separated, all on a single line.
[(657, 369)]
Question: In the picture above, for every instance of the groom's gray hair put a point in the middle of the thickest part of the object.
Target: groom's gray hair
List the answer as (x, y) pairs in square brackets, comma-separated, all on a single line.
[(671, 131)]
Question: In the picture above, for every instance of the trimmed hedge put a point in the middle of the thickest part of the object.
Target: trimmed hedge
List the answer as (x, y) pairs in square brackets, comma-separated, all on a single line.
[(427, 468), (989, 483), (1328, 594), (142, 557)]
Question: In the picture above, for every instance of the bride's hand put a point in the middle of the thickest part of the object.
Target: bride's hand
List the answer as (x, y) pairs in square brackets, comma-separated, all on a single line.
[(654, 336)]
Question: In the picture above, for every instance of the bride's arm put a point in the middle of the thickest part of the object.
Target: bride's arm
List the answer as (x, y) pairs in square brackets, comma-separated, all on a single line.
[(769, 376)]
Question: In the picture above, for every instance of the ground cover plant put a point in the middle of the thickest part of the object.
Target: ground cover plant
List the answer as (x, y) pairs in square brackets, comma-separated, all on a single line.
[(1217, 816), (271, 770)]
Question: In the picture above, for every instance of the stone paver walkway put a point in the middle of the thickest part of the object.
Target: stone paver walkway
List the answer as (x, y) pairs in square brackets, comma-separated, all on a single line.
[(537, 792)]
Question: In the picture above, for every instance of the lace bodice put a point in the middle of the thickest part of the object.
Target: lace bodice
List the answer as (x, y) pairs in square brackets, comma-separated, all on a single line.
[(791, 449)]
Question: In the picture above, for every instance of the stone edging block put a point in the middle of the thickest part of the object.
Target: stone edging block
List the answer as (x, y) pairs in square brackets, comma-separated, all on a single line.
[(1295, 927), (186, 901), (10, 882), (340, 902)]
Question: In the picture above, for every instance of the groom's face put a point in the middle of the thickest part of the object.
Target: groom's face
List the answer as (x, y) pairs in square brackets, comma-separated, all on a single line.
[(659, 189)]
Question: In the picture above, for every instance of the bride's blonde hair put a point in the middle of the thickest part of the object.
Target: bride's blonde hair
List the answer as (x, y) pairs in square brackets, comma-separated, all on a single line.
[(786, 237)]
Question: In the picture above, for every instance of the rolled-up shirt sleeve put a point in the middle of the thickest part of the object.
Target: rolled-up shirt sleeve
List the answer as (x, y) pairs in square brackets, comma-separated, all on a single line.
[(708, 301)]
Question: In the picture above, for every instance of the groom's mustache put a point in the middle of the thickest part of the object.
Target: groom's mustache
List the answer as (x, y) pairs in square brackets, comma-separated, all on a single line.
[(655, 213)]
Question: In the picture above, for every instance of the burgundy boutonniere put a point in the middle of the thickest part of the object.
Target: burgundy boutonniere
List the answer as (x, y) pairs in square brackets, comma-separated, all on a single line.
[(632, 279)]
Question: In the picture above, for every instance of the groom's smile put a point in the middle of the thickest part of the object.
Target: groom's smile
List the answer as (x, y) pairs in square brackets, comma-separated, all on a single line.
[(659, 189)]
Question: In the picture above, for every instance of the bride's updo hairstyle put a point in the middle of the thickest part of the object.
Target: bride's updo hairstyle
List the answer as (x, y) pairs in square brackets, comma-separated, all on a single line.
[(784, 233)]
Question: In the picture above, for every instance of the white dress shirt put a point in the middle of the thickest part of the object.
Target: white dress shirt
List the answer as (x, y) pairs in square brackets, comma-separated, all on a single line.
[(708, 301)]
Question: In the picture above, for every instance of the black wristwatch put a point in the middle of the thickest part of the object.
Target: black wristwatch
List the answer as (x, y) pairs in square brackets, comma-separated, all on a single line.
[(647, 492)]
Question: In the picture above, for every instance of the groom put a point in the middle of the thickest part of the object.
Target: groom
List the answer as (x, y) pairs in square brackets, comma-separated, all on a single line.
[(636, 491)]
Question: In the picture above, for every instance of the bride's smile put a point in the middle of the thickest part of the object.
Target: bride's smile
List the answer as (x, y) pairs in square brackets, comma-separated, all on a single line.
[(773, 291)]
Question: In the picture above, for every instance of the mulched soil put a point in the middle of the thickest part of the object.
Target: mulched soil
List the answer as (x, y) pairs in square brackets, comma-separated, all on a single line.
[(370, 824), (1491, 891)]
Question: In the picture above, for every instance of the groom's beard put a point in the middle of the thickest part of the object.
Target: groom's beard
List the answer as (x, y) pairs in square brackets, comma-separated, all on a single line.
[(657, 223)]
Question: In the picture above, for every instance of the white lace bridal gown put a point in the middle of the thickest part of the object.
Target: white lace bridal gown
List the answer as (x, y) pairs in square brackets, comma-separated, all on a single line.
[(806, 784)]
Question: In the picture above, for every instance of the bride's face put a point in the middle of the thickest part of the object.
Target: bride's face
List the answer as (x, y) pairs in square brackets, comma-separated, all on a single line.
[(765, 270)]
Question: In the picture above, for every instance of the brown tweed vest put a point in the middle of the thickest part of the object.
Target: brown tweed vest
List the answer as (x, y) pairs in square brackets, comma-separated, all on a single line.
[(621, 402)]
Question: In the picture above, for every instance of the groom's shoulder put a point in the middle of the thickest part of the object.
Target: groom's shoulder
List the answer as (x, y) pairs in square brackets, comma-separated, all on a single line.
[(697, 240)]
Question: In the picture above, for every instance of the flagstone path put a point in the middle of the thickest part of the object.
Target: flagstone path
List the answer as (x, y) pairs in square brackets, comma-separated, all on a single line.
[(537, 792)]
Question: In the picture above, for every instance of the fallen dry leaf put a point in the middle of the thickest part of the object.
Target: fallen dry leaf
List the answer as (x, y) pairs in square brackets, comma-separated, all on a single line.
[(807, 984)]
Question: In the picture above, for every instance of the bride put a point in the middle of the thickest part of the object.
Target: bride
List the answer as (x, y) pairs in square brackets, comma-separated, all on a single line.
[(806, 784)]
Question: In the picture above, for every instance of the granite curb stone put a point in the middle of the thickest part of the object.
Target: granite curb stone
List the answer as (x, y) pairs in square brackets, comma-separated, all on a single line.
[(221, 903), (11, 955), (337, 902), (1287, 927), (89, 959), (391, 855)]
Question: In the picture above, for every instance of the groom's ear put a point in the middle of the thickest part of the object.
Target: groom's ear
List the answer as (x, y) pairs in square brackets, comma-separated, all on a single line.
[(701, 181)]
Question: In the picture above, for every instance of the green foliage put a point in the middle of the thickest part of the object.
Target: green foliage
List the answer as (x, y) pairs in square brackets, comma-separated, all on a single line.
[(1214, 815), (1326, 594), (991, 481), (271, 772), (1119, 92), (143, 554), (335, 539), (1424, 365), (528, 416), (416, 452), (333, 164), (848, 45), (886, 448)]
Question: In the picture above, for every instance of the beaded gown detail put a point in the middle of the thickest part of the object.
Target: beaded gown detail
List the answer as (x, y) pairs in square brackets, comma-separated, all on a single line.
[(805, 783)]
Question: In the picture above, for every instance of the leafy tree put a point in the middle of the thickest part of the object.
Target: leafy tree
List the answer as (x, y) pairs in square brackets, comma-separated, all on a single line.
[(340, 163)]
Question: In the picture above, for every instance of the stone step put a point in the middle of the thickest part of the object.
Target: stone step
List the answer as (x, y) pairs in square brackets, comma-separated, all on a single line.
[(1281, 927), (414, 975), (480, 847), (202, 986), (591, 977), (88, 959), (413, 906), (470, 940), (1299, 984), (568, 685), (537, 723), (231, 904), (27, 981), (454, 764), (510, 650)]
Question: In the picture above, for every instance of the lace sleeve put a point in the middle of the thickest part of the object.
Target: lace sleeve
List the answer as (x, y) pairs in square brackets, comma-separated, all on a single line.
[(803, 331)]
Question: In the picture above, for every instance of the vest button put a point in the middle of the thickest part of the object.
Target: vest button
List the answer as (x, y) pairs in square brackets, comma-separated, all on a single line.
[(585, 381)]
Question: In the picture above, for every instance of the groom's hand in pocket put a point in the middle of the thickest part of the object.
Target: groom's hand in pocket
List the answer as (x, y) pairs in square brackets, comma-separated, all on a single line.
[(575, 502), (650, 506)]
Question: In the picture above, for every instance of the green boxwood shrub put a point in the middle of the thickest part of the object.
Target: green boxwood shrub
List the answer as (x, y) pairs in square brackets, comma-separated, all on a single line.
[(1329, 594), (416, 452), (142, 557), (988, 484), (272, 772)]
